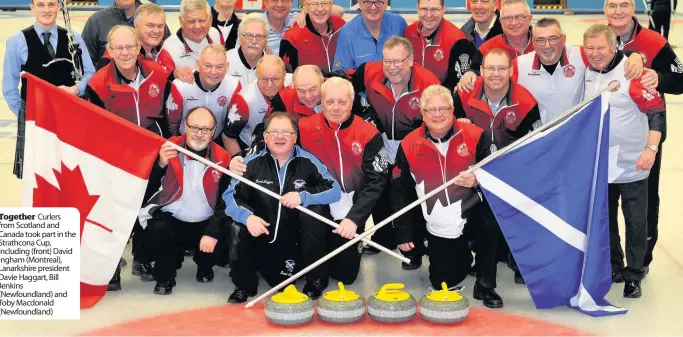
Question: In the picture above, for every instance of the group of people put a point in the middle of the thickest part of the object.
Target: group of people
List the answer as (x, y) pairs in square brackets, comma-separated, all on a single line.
[(351, 120)]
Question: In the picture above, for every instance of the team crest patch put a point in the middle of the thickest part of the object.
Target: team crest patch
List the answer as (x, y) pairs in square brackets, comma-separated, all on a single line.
[(153, 90), (222, 101), (216, 175), (463, 151), (299, 185), (414, 103), (569, 71), (289, 266), (356, 148), (464, 61), (337, 64), (615, 88), (511, 117), (438, 54)]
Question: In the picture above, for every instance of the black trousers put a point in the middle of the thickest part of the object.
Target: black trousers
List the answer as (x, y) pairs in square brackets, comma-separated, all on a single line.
[(449, 259), (18, 167), (344, 267), (653, 206), (634, 207), (296, 247), (662, 19), (169, 238)]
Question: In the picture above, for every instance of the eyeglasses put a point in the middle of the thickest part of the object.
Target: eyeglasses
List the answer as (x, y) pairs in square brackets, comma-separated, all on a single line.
[(257, 37), (128, 48), (377, 4), (389, 63), (267, 80), (424, 10), (281, 133), (551, 39), (494, 69), (518, 17), (318, 4), (196, 129), (442, 110)]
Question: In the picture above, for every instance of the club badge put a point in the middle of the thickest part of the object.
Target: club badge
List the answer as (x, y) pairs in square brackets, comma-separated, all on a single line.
[(153, 90), (463, 151), (356, 148), (618, 85), (299, 185), (414, 103), (569, 71), (510, 118), (438, 54), (216, 175), (289, 265), (222, 101)]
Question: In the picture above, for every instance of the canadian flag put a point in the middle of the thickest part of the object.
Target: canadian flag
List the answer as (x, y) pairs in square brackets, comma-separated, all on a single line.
[(79, 155)]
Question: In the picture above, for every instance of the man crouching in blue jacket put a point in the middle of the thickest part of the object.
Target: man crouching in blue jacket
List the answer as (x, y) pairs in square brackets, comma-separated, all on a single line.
[(273, 248)]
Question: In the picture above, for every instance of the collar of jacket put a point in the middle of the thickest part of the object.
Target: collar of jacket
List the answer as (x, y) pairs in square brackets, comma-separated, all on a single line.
[(180, 36), (198, 82), (338, 127), (477, 99), (121, 80), (445, 138), (309, 25)]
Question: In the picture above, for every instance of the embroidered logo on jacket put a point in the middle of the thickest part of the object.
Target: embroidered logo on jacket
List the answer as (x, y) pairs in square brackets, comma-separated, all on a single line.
[(153, 90)]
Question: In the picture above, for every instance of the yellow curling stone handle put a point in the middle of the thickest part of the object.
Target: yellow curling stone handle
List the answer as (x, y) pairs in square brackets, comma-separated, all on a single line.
[(290, 296), (444, 295), (341, 295), (392, 293)]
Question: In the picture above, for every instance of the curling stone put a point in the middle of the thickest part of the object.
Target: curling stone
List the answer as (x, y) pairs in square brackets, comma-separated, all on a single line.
[(289, 308), (341, 306), (391, 304), (444, 306)]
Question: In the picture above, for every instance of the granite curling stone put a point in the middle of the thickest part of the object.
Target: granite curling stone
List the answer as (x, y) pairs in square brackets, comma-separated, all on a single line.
[(289, 308), (444, 306), (341, 306), (391, 304)]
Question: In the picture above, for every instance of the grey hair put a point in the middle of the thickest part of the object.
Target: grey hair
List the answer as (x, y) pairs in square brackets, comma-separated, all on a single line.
[(194, 5), (598, 30), (249, 18), (510, 2), (547, 22), (334, 81), (435, 90)]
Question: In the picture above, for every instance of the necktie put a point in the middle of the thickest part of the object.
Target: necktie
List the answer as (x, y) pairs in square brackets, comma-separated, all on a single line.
[(46, 41)]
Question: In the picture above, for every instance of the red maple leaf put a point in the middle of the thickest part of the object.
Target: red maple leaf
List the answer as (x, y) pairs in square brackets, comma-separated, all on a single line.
[(72, 192)]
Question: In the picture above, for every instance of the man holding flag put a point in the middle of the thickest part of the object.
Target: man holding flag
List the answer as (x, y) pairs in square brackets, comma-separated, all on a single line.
[(636, 126)]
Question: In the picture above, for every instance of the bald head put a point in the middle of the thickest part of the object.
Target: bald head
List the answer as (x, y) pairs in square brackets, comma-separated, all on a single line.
[(307, 81), (270, 73), (268, 62)]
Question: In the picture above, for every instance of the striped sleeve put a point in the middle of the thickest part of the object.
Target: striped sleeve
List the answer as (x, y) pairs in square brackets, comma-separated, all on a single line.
[(321, 188)]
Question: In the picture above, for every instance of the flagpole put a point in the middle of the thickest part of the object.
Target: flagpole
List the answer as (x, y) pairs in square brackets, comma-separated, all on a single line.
[(278, 197), (552, 123)]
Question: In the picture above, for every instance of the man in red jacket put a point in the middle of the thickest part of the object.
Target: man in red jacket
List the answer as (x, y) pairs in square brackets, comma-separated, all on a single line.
[(301, 98), (316, 42), (187, 211), (392, 89), (439, 45), (130, 88)]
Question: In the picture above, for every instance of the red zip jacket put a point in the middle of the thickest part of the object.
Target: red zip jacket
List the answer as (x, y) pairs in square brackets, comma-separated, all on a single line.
[(304, 45)]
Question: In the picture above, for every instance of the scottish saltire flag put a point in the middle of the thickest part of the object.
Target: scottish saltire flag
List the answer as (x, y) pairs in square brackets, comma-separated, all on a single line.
[(549, 195)]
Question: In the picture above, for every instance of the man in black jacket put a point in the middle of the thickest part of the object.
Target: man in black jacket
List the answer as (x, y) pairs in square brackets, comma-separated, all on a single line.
[(272, 247), (484, 23), (661, 12)]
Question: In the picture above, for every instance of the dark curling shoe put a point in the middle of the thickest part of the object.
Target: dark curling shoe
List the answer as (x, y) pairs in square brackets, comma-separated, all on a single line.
[(488, 296), (115, 282), (204, 276), (617, 278), (314, 289), (518, 277), (240, 296), (145, 272), (164, 288), (415, 263), (369, 250), (632, 289)]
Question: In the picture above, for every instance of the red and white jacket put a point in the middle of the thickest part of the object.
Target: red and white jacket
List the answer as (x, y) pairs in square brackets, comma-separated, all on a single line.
[(144, 106), (305, 45), (176, 53), (287, 100)]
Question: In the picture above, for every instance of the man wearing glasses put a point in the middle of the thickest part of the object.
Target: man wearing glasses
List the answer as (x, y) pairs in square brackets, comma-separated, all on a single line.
[(188, 211), (271, 233), (515, 40), (659, 56), (554, 71), (212, 88), (131, 88), (439, 45), (438, 151), (30, 50), (393, 87), (242, 59), (484, 23), (180, 52), (252, 103), (315, 43), (362, 39)]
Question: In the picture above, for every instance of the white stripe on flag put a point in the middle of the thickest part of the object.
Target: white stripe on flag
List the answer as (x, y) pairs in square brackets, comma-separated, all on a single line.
[(534, 210), (585, 302)]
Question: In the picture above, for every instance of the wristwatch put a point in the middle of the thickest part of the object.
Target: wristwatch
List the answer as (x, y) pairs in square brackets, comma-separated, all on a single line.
[(652, 147)]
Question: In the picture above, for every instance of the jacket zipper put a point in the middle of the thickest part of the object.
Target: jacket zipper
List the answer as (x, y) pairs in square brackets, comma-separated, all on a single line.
[(136, 95), (279, 205), (393, 114), (327, 53)]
